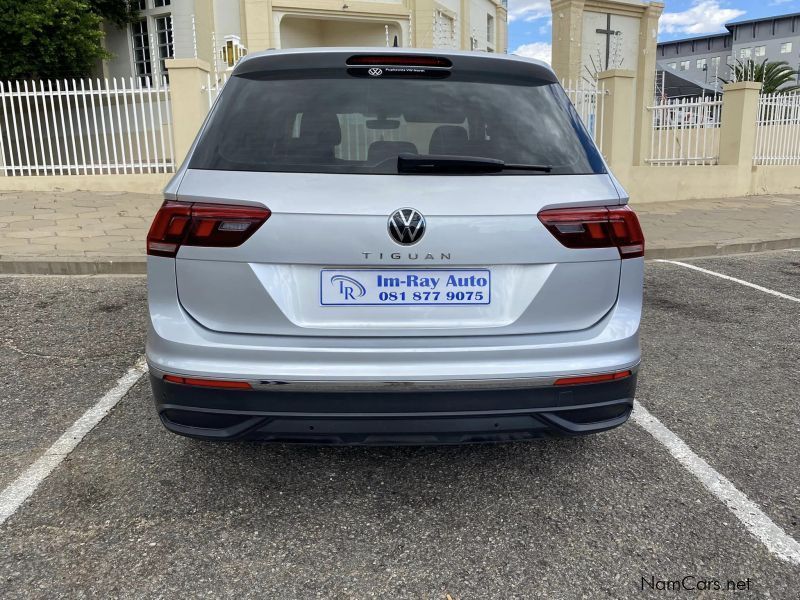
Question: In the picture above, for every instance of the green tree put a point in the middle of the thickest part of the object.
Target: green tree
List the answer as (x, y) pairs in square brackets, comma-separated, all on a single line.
[(775, 76), (119, 12), (44, 39)]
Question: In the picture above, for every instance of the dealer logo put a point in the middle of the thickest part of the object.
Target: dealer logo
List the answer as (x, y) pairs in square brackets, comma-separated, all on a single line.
[(349, 288), (375, 72)]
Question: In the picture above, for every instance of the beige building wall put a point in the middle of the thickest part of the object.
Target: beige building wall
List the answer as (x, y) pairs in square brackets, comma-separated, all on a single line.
[(297, 23)]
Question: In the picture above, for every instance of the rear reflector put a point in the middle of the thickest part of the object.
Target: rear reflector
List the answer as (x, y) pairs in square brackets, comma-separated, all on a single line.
[(596, 227), (209, 383), (593, 378), (399, 59), (194, 224)]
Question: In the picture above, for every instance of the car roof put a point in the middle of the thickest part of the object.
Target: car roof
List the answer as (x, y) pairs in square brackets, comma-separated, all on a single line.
[(299, 58)]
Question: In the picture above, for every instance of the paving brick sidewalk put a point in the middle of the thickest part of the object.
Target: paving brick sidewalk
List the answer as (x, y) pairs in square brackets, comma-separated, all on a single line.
[(94, 232)]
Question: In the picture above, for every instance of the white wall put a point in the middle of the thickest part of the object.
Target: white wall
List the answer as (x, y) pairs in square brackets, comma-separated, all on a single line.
[(478, 10), (625, 46), (227, 20), (117, 42)]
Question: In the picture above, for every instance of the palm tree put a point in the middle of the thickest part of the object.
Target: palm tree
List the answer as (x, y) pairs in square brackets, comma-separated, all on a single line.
[(774, 76)]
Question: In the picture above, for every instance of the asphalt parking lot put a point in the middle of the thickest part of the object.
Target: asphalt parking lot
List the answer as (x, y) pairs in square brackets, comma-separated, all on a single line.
[(134, 511)]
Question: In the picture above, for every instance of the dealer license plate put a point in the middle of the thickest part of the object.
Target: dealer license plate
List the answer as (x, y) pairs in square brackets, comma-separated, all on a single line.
[(404, 287)]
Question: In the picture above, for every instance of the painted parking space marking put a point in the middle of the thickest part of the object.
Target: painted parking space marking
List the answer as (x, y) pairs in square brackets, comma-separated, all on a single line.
[(19, 490), (777, 541), (729, 278)]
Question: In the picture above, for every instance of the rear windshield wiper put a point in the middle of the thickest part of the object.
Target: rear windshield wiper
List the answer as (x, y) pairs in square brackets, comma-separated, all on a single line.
[(440, 163)]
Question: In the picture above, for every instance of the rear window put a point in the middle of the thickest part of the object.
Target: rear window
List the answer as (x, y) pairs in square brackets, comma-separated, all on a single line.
[(328, 121)]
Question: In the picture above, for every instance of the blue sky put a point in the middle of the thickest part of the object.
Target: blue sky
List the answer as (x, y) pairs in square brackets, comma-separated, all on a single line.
[(529, 20)]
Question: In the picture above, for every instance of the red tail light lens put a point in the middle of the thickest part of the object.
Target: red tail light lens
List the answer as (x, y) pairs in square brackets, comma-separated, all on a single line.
[(593, 378), (209, 383), (596, 227), (405, 60), (194, 224)]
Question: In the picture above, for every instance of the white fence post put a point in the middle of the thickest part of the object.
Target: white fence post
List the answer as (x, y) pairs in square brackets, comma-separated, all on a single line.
[(80, 128), (778, 130), (588, 99), (685, 131)]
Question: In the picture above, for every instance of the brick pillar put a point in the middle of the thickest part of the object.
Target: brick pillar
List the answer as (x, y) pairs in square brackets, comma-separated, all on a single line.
[(188, 78), (737, 133)]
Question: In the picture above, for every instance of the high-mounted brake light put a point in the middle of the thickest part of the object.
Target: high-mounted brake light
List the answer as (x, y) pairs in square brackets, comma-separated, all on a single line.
[(405, 60), (194, 224), (209, 383), (596, 227), (581, 379)]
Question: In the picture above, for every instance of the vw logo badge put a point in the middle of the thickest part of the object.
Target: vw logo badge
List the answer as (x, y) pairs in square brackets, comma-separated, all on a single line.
[(375, 72), (406, 226)]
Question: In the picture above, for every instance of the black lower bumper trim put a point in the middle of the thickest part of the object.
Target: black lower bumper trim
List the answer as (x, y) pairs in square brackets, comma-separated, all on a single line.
[(391, 418)]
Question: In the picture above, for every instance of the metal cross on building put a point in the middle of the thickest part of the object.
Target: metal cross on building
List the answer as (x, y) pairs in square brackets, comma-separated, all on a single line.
[(608, 32)]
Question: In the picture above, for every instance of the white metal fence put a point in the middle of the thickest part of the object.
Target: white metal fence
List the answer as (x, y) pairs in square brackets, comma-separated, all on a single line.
[(589, 102), (685, 131), (85, 127), (214, 86), (778, 131)]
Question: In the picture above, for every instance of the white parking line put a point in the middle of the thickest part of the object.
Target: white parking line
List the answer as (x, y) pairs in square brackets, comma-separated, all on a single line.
[(729, 278), (19, 490), (777, 541)]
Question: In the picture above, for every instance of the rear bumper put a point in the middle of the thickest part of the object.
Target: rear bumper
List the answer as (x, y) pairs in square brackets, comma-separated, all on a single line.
[(391, 417), (179, 345)]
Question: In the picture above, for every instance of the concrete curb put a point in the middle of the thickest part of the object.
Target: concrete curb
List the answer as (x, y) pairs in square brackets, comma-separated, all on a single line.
[(137, 265), (124, 265), (722, 249)]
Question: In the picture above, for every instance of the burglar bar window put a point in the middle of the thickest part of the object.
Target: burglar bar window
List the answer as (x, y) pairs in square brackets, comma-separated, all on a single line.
[(141, 51), (160, 3), (164, 40)]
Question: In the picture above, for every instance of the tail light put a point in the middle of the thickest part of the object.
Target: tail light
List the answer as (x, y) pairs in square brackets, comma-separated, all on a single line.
[(596, 227), (405, 60), (194, 224), (224, 384), (582, 379)]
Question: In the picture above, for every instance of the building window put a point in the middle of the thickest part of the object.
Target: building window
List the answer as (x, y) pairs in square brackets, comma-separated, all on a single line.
[(673, 66), (685, 65), (786, 47), (490, 29), (702, 63), (141, 50), (444, 31), (729, 60), (164, 40), (745, 52), (760, 50), (715, 63), (152, 40)]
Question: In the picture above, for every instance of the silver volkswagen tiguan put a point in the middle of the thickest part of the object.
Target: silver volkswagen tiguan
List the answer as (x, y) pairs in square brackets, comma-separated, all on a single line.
[(388, 246)]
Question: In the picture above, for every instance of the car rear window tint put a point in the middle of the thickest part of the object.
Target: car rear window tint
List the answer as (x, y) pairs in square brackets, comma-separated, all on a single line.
[(337, 123)]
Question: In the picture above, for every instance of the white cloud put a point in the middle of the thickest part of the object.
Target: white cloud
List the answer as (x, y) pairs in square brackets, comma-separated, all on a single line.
[(528, 10), (705, 16), (540, 50)]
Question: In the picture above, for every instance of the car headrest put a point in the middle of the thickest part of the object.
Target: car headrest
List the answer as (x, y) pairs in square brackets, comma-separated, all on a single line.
[(381, 150), (448, 139), (322, 128)]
